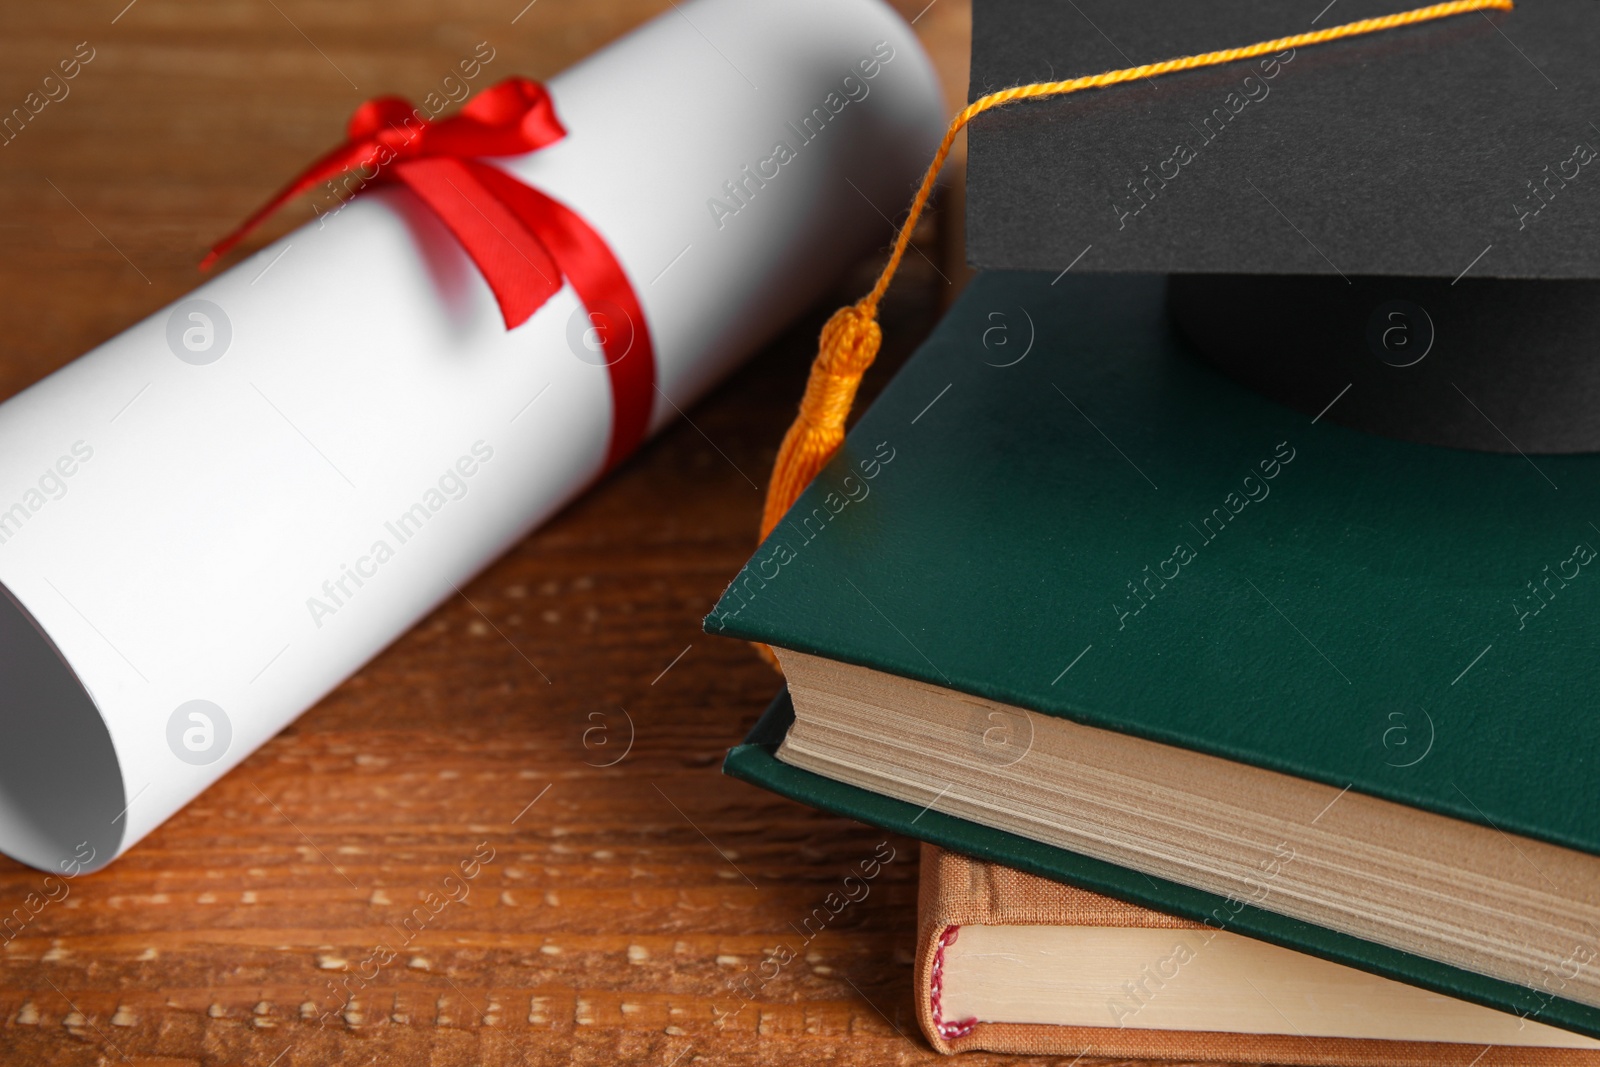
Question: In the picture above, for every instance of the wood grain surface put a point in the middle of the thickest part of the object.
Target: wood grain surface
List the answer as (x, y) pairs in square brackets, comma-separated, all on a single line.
[(614, 909)]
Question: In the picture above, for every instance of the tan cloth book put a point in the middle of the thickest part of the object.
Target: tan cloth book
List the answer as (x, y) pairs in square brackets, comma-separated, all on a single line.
[(1009, 962)]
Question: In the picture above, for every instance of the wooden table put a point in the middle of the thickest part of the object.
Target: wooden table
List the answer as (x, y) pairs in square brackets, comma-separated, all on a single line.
[(621, 902)]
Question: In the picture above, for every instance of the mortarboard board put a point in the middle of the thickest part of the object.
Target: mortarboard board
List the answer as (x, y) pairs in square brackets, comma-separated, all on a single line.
[(1407, 222)]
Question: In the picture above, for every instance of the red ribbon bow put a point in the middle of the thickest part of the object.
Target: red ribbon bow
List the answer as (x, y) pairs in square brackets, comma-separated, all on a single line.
[(522, 241)]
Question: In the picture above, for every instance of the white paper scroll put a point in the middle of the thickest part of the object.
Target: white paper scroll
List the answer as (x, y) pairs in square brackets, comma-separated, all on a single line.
[(214, 518)]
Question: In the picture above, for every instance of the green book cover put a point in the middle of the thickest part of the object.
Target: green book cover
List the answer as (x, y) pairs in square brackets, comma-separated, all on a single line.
[(1057, 505)]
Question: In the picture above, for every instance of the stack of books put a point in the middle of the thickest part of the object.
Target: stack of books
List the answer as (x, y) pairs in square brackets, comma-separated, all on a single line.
[(1210, 591)]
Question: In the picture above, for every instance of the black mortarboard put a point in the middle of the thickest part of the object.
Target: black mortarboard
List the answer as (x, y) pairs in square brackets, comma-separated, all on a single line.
[(1414, 214)]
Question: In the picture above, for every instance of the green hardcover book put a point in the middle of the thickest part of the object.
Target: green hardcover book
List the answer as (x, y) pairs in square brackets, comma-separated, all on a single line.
[(1070, 600)]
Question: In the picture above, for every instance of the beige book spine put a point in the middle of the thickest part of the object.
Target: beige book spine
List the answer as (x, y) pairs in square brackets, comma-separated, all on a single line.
[(957, 891)]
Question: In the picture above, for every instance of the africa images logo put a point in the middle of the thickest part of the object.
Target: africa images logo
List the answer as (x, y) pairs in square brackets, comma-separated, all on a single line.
[(198, 332), (1400, 333), (199, 732)]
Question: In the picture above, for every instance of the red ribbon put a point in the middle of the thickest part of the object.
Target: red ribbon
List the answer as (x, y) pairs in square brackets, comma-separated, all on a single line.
[(522, 241)]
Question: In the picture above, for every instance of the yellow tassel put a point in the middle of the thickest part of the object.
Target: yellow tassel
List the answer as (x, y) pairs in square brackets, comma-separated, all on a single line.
[(848, 345), (851, 338)]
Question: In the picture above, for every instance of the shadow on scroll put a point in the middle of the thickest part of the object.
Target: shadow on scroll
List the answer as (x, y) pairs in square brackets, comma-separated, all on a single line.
[(61, 795)]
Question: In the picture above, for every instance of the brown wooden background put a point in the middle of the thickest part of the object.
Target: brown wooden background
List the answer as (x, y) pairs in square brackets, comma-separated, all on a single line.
[(608, 928)]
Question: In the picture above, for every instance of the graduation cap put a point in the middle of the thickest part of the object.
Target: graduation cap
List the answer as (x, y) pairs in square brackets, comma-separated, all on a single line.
[(1399, 231)]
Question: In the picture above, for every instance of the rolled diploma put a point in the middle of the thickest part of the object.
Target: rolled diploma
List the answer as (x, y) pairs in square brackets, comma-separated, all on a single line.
[(201, 547)]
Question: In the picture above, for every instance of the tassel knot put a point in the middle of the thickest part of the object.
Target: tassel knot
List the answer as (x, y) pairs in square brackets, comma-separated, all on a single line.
[(847, 347)]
